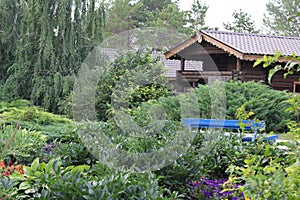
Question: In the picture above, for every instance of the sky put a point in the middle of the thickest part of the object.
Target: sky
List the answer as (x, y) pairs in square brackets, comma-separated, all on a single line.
[(220, 11)]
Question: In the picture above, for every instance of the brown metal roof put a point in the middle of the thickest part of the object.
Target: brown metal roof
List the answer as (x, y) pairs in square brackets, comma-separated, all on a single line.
[(257, 44), (244, 46)]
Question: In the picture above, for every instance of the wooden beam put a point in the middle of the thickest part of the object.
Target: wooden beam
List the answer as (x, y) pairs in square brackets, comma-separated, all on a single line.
[(182, 64), (238, 65), (223, 46), (182, 46), (252, 57)]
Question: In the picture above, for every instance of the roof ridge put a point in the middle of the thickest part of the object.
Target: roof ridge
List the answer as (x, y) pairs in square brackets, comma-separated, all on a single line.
[(250, 34)]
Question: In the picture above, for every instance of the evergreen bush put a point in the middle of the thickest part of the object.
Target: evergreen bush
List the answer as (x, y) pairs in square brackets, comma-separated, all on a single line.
[(266, 103)]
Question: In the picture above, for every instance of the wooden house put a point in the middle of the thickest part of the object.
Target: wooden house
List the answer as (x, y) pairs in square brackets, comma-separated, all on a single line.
[(231, 56)]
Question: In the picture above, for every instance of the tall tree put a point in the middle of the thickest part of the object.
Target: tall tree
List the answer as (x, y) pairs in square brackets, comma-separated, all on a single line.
[(128, 14), (170, 17), (152, 5), (55, 36), (10, 20), (278, 17), (148, 9), (196, 16), (242, 23), (121, 16)]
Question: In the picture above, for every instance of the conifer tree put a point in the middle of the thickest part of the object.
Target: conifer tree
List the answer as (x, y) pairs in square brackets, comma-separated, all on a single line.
[(280, 19), (242, 23), (55, 37), (10, 20)]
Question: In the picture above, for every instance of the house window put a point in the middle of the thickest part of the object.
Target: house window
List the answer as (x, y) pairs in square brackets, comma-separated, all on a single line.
[(296, 87)]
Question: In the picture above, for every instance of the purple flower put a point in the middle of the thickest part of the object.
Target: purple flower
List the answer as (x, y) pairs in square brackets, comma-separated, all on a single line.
[(195, 184), (214, 188), (48, 147)]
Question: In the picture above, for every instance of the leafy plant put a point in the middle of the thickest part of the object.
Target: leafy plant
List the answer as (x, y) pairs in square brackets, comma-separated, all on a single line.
[(35, 119), (268, 172), (131, 79), (50, 180), (289, 68), (272, 181), (22, 146), (8, 188)]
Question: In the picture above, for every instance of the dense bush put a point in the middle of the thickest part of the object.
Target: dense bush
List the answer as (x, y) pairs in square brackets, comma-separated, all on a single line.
[(267, 104), (271, 174), (35, 118), (25, 131), (132, 79)]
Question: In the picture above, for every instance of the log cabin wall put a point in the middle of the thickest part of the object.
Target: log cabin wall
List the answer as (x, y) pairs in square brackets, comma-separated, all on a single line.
[(224, 62), (233, 56), (250, 73), (281, 83)]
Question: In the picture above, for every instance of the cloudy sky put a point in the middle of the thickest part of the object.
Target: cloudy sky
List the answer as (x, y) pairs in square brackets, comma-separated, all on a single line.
[(220, 11)]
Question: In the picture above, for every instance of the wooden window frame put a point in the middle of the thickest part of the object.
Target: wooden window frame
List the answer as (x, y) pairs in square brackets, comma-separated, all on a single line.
[(296, 83)]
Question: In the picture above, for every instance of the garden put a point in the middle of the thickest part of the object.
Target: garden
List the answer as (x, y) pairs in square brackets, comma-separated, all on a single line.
[(46, 153), (43, 155)]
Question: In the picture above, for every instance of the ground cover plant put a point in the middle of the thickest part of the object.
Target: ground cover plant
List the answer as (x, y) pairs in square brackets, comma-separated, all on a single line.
[(46, 158)]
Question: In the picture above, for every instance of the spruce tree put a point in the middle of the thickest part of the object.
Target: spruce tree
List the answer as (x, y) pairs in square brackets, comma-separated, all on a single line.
[(55, 37)]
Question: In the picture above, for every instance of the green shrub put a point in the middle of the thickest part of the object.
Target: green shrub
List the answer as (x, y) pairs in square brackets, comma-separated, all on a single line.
[(267, 104), (20, 144), (52, 181), (49, 180), (217, 156), (132, 79), (34, 118), (272, 175), (22, 110)]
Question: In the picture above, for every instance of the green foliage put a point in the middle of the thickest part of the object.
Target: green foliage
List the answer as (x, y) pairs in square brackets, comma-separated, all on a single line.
[(52, 181), (294, 125), (126, 185), (170, 17), (267, 104), (71, 150), (214, 155), (21, 110), (49, 46), (121, 16), (242, 24), (10, 19), (19, 144), (126, 15), (35, 119), (196, 17), (271, 175), (131, 79), (289, 68), (280, 17), (49, 180), (7, 188)]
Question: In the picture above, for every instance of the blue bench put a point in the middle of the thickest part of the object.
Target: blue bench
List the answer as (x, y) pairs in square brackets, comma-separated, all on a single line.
[(247, 125)]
